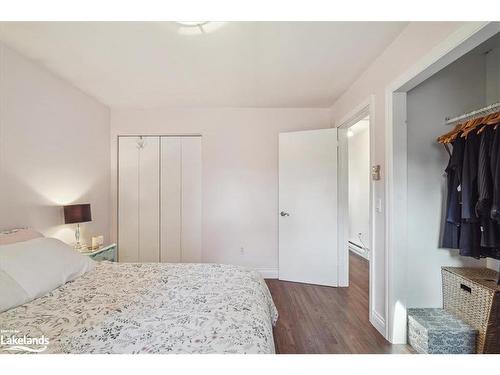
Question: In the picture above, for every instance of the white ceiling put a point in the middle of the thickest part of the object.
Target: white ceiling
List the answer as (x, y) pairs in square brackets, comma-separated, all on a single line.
[(237, 64)]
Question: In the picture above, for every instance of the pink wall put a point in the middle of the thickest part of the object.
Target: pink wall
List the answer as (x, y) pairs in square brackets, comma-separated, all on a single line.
[(240, 172), (413, 44), (54, 150)]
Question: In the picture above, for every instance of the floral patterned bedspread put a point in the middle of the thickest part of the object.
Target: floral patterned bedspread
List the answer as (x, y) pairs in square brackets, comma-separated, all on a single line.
[(153, 308)]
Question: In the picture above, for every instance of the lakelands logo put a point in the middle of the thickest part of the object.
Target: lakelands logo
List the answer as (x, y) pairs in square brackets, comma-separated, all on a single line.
[(14, 341)]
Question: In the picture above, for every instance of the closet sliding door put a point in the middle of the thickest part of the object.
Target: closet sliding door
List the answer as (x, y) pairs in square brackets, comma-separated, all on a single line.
[(171, 195), (159, 199), (128, 199), (191, 199), (139, 199), (180, 199), (149, 200)]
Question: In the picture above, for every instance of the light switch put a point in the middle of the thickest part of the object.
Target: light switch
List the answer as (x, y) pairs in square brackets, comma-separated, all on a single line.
[(378, 205)]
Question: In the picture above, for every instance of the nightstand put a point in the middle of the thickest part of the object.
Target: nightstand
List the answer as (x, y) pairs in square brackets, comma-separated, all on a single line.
[(104, 253)]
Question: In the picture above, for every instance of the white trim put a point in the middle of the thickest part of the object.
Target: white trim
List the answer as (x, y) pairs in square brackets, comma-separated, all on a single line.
[(377, 321), (358, 113), (342, 209), (366, 107), (396, 218), (372, 235), (456, 45), (268, 273)]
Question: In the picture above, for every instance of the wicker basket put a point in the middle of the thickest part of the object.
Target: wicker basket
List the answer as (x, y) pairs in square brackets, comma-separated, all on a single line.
[(474, 296)]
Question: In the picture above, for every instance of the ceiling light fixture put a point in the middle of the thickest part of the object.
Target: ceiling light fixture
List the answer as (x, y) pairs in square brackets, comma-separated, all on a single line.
[(197, 24), (197, 27)]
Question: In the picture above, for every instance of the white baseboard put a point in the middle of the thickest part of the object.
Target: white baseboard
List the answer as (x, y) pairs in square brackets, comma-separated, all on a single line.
[(268, 273), (378, 322)]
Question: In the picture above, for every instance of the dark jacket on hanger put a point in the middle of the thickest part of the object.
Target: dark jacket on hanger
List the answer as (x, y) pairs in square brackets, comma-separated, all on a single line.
[(490, 230), (470, 233), (495, 174), (451, 232)]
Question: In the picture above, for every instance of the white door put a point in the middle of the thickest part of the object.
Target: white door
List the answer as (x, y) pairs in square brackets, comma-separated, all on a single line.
[(128, 199), (180, 199), (170, 198), (138, 199), (308, 249), (191, 199)]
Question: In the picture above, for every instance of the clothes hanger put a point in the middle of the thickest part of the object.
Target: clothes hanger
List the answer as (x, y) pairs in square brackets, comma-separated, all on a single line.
[(481, 129), (492, 119), (495, 120), (454, 135), (446, 138), (471, 125), (460, 128), (485, 122), (468, 126)]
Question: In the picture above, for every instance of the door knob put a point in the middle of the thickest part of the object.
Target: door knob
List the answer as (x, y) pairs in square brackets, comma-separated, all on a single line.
[(283, 213)]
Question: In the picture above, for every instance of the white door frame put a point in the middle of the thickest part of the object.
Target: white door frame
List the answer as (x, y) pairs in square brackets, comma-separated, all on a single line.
[(456, 45), (365, 108)]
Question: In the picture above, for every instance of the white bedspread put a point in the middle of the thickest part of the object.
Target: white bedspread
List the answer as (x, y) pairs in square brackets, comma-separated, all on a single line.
[(153, 308)]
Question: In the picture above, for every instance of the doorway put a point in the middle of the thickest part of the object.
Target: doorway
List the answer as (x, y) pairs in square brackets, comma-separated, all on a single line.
[(356, 205), (465, 40), (358, 160), (358, 187)]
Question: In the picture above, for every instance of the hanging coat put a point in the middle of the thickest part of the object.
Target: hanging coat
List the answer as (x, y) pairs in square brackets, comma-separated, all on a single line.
[(470, 232), (495, 168), (490, 230), (453, 214)]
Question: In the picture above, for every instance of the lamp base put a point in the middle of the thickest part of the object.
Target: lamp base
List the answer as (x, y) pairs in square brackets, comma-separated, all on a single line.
[(78, 245)]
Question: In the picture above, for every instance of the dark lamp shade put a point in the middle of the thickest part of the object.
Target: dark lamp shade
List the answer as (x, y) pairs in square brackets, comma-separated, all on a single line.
[(77, 213)]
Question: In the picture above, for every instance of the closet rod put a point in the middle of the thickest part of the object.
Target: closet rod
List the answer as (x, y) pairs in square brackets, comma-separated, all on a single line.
[(477, 113)]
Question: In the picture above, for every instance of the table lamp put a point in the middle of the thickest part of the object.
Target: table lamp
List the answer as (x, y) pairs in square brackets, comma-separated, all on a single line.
[(77, 213)]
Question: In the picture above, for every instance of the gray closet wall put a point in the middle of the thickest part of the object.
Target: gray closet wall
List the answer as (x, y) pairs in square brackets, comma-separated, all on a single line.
[(159, 199), (458, 88)]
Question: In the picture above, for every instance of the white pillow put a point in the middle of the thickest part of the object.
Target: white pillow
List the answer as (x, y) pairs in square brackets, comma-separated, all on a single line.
[(33, 268), (18, 235)]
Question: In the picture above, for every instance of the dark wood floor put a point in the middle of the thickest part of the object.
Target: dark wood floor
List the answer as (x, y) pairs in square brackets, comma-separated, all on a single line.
[(319, 319)]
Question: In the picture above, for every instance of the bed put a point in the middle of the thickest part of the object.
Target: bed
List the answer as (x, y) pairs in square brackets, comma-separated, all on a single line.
[(152, 308)]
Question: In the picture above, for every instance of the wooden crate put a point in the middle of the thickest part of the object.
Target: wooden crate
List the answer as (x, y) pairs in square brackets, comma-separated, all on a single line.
[(473, 295)]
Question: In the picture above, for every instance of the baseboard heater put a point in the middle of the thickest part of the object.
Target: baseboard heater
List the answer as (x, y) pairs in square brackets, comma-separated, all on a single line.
[(360, 250)]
